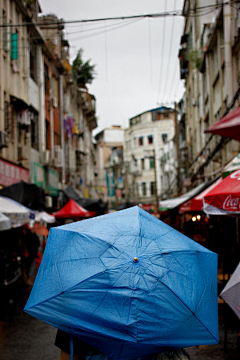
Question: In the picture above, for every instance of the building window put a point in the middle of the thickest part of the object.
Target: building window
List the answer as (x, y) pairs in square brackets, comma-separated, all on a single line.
[(150, 139), (166, 116), (46, 80), (33, 60), (137, 189), (164, 138), (143, 164), (152, 187), (48, 135), (34, 131), (140, 141), (144, 189), (152, 163)]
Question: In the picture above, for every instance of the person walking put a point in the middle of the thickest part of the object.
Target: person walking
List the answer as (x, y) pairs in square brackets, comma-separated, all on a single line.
[(84, 351)]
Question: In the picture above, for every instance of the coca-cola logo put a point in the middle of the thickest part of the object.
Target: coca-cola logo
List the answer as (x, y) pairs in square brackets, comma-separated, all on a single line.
[(235, 175), (231, 203)]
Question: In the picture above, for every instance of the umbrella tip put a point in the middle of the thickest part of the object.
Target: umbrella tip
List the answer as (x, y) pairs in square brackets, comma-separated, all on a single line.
[(135, 259)]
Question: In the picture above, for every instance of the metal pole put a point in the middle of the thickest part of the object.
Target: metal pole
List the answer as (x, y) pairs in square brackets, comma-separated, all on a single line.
[(177, 148), (155, 179)]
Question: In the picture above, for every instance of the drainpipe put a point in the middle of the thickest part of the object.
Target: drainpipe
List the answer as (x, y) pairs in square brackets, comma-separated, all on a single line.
[(61, 117), (228, 51)]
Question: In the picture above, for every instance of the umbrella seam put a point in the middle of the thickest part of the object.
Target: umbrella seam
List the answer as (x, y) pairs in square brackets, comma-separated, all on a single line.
[(160, 279), (224, 291)]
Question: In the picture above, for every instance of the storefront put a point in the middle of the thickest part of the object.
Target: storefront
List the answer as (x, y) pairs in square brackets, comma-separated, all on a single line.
[(11, 173)]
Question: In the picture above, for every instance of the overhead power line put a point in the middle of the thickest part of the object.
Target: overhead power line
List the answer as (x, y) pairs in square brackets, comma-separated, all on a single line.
[(191, 13)]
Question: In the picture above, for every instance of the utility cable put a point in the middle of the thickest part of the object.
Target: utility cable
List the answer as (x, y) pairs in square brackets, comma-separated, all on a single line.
[(170, 47), (154, 15), (161, 65)]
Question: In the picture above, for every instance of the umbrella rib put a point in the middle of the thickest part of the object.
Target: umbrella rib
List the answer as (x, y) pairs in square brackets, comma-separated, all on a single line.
[(129, 311), (160, 279)]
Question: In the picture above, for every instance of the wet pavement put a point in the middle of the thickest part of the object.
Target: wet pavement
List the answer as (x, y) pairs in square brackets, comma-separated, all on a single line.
[(23, 337)]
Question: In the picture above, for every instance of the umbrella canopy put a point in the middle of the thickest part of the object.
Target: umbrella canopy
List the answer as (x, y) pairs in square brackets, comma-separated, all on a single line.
[(175, 202), (17, 213), (231, 292), (228, 126), (224, 199), (196, 204), (73, 210), (128, 284), (232, 166), (44, 216), (5, 222)]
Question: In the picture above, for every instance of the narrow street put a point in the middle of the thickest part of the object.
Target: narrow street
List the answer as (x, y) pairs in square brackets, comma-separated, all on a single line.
[(26, 338)]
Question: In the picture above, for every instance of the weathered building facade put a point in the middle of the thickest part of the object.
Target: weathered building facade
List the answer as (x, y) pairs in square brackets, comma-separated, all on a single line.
[(46, 121), (143, 154), (209, 63)]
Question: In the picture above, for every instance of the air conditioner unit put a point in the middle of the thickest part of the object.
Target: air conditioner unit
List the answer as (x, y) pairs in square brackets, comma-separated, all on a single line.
[(58, 156), (54, 102), (45, 157), (3, 139), (23, 153)]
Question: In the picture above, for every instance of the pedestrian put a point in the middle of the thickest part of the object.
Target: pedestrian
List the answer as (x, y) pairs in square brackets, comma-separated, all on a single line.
[(32, 243), (84, 351)]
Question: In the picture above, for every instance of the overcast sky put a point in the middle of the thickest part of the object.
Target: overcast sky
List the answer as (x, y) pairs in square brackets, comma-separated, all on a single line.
[(136, 61)]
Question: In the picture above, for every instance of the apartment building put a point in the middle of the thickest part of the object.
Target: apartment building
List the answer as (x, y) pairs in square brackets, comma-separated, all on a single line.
[(44, 138), (209, 64), (109, 165), (143, 153)]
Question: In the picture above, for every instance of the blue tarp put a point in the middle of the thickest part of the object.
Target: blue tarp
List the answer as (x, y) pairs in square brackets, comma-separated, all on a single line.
[(128, 284)]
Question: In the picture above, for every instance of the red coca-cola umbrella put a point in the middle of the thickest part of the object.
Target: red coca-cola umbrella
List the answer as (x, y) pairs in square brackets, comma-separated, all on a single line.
[(228, 126), (225, 197), (73, 210), (196, 204)]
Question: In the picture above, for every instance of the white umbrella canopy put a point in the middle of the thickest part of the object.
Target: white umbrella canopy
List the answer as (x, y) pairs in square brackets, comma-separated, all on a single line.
[(5, 222), (44, 216), (231, 292), (16, 212)]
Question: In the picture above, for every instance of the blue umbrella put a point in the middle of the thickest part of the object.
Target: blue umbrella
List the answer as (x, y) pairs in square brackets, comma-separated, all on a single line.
[(127, 284)]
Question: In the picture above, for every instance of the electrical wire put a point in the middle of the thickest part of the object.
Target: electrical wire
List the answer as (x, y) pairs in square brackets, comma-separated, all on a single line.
[(154, 15), (150, 49), (53, 37), (170, 47), (161, 65)]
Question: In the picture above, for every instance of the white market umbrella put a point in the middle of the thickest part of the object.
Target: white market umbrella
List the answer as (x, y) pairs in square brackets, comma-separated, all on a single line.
[(44, 216), (5, 222), (16, 212), (231, 292)]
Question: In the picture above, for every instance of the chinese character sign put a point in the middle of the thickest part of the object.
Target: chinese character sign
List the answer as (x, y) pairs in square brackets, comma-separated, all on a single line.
[(10, 173)]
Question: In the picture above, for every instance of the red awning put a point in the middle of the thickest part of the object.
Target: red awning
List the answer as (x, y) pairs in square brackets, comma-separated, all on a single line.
[(228, 126), (226, 195), (73, 210), (196, 203)]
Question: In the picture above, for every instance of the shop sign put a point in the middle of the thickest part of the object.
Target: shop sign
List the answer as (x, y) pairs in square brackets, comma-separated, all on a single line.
[(10, 173), (39, 176), (53, 180)]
